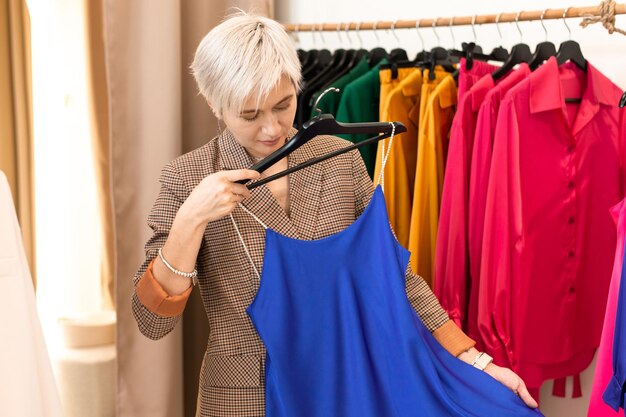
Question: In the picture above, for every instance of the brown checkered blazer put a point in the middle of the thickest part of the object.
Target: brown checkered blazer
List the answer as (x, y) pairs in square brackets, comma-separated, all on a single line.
[(325, 198)]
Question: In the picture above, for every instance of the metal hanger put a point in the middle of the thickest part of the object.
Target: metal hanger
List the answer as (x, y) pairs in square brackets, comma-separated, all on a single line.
[(570, 49), (544, 50), (519, 53)]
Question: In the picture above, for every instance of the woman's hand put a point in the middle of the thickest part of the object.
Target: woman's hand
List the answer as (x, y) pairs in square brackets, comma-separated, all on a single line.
[(217, 195), (512, 381)]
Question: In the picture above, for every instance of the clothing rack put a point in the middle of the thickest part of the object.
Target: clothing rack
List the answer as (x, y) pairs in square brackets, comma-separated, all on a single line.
[(604, 13)]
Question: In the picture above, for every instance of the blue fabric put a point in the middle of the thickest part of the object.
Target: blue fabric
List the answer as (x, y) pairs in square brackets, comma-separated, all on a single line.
[(615, 392), (343, 340)]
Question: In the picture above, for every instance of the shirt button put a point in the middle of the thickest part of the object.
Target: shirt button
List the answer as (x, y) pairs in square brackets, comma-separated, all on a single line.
[(571, 254), (570, 185), (571, 148), (572, 289), (570, 220)]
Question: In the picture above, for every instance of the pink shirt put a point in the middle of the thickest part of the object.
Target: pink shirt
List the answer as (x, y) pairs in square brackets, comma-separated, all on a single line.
[(604, 365), (469, 77), (478, 181), (549, 239), (451, 260)]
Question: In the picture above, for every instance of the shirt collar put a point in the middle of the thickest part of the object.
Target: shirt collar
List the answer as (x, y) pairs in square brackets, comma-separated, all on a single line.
[(546, 92), (447, 92)]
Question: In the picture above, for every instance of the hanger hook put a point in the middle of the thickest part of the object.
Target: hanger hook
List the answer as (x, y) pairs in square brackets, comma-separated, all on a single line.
[(374, 26), (565, 22), (321, 29), (498, 27), (474, 28), (393, 31), (339, 33), (314, 35), (543, 25), (452, 32), (517, 24), (317, 109), (417, 29), (358, 35), (435, 32), (347, 30)]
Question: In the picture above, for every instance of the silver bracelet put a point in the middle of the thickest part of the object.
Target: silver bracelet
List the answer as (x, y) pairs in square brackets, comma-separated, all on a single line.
[(193, 275)]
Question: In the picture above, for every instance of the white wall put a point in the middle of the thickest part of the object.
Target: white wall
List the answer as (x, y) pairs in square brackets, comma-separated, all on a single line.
[(606, 52)]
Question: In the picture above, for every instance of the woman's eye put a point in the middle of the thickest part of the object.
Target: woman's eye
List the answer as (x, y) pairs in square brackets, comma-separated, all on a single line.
[(250, 118)]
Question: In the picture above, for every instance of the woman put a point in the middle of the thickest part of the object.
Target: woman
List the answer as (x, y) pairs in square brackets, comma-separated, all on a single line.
[(249, 73)]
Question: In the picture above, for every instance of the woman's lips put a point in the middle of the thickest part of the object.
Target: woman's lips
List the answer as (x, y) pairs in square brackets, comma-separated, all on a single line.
[(272, 142)]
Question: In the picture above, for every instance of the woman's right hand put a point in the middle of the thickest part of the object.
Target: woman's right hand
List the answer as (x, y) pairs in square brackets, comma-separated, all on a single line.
[(217, 195)]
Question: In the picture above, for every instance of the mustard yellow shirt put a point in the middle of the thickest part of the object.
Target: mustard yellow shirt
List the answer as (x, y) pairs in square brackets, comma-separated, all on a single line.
[(434, 129), (402, 105)]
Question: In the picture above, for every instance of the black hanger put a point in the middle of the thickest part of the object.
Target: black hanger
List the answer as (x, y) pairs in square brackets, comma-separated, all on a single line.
[(622, 101), (499, 53), (544, 50), (570, 50), (324, 124), (519, 53)]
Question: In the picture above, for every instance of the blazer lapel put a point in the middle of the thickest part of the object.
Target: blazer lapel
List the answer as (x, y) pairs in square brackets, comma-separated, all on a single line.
[(305, 186)]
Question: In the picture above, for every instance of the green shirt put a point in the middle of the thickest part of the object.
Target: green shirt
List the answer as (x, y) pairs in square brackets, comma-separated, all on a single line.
[(330, 102), (360, 103)]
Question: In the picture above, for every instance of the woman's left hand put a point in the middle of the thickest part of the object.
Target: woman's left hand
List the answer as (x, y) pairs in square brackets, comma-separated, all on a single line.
[(512, 381)]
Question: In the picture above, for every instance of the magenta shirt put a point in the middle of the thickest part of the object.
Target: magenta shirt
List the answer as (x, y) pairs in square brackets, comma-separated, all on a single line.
[(450, 270), (604, 364), (549, 239), (451, 264)]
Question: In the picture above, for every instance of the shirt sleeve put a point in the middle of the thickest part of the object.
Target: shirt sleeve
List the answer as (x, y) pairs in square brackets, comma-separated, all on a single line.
[(162, 320), (502, 235), (451, 266), (420, 296)]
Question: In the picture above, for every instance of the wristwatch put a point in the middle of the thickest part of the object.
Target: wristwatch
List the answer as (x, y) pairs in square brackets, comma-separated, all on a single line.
[(481, 361)]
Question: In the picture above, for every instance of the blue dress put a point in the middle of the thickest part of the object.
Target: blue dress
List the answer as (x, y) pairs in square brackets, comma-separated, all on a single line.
[(343, 340)]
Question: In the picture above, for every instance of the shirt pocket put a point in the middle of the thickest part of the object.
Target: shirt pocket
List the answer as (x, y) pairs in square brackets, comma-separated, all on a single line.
[(232, 371), (9, 267)]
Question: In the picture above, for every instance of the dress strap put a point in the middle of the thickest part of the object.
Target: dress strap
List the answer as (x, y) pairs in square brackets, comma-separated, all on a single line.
[(385, 155), (243, 243)]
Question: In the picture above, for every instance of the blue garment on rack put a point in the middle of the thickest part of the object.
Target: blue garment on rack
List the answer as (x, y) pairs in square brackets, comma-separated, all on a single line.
[(615, 393), (343, 340)]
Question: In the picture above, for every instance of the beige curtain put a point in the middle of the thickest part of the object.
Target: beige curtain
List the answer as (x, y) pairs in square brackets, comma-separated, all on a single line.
[(99, 122), (155, 114), (16, 126)]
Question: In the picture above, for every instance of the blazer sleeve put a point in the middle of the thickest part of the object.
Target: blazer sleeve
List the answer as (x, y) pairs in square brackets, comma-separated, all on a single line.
[(418, 292), (157, 323)]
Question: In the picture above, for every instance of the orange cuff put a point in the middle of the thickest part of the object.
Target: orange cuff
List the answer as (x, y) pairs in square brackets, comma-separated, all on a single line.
[(156, 299), (452, 338)]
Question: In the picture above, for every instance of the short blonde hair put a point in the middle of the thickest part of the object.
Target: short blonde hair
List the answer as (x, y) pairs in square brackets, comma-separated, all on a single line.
[(244, 56)]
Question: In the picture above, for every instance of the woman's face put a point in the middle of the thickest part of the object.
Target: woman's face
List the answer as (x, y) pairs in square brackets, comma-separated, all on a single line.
[(263, 130)]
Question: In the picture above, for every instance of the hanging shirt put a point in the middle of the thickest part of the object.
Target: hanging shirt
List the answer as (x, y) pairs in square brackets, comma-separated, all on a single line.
[(329, 102), (548, 242), (433, 138), (479, 178), (360, 103), (604, 370), (469, 77), (402, 105), (451, 277), (615, 392)]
